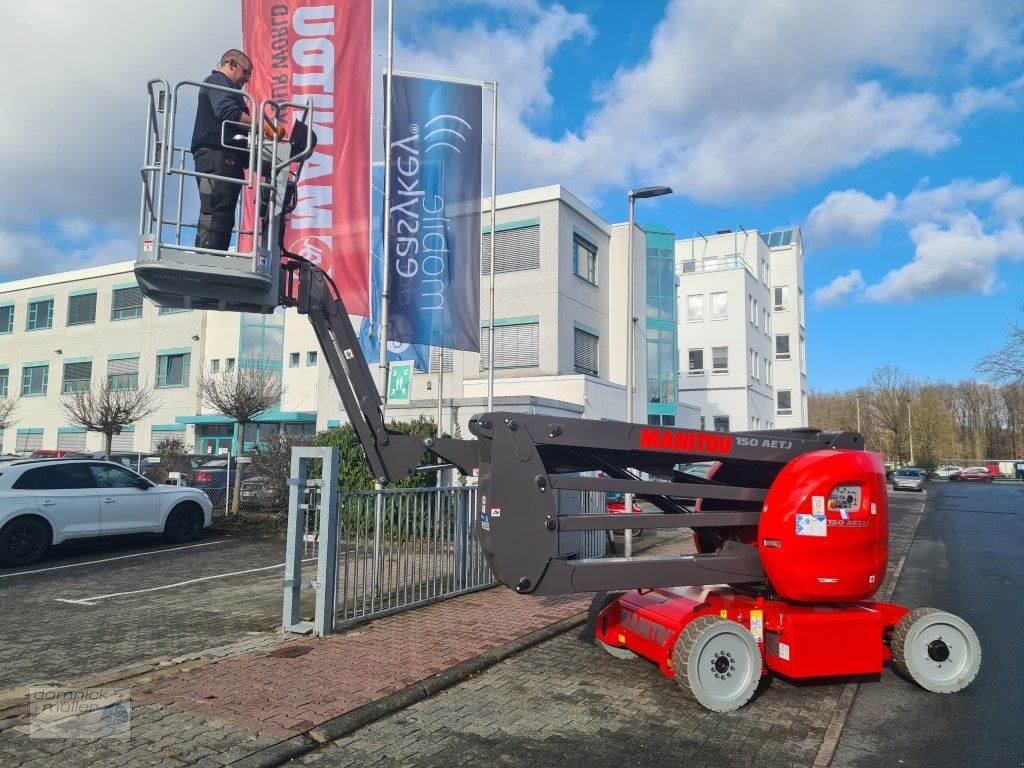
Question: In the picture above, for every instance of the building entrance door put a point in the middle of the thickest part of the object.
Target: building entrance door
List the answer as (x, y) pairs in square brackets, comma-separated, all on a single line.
[(215, 439)]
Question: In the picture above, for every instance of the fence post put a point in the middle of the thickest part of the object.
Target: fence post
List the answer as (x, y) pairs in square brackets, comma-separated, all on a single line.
[(327, 552), (461, 535), (294, 548), (378, 522)]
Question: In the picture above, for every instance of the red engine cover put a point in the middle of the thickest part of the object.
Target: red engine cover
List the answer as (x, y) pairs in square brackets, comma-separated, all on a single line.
[(814, 549)]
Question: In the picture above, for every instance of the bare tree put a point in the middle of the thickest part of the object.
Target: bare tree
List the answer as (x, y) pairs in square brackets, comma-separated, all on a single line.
[(241, 395), (7, 409), (1006, 363), (891, 391), (108, 411)]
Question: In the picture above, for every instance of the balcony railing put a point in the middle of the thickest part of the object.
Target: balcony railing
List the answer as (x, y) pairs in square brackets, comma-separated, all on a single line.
[(714, 264)]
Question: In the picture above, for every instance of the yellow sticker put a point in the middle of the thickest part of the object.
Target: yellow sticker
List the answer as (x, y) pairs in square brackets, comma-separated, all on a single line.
[(757, 624), (622, 638), (724, 614)]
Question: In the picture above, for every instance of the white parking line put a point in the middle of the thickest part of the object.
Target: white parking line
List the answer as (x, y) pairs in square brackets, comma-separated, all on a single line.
[(93, 600), (110, 559)]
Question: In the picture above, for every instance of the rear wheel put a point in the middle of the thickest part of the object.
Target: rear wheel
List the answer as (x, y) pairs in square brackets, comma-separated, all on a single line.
[(937, 650), (185, 523), (717, 663), (23, 541)]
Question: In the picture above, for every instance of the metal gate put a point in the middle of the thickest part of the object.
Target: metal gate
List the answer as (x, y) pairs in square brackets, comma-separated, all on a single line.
[(384, 551)]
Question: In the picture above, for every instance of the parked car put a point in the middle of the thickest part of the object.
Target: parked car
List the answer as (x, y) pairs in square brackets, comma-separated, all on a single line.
[(49, 453), (45, 502), (261, 493), (616, 505), (908, 479), (135, 461), (972, 475), (947, 470), (211, 477)]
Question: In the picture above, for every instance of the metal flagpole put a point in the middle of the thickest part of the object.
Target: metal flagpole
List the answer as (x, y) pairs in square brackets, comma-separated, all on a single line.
[(386, 245), (494, 193), (627, 545)]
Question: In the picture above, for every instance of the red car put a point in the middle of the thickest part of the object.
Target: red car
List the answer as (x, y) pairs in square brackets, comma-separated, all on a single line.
[(972, 475), (50, 453)]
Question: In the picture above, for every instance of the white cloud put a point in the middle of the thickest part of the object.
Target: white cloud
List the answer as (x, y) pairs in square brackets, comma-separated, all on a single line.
[(960, 231), (848, 213), (839, 290), (60, 246)]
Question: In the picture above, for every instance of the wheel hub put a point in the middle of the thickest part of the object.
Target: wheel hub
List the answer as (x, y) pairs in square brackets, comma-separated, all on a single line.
[(723, 664), (938, 651)]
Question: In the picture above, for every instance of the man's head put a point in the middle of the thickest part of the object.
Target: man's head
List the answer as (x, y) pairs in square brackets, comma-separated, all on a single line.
[(237, 66)]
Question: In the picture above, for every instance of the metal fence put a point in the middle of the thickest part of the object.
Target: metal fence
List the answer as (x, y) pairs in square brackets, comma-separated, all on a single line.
[(384, 551)]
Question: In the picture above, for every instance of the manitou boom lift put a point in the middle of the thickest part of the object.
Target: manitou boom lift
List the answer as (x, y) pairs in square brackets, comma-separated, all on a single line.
[(791, 526)]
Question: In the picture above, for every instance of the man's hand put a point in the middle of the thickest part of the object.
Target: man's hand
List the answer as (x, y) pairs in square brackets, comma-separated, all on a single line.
[(269, 131)]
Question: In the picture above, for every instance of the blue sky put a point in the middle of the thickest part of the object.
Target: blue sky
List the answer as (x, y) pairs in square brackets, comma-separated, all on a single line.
[(891, 131)]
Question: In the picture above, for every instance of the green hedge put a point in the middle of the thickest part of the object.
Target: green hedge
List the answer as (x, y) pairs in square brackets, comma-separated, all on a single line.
[(353, 471)]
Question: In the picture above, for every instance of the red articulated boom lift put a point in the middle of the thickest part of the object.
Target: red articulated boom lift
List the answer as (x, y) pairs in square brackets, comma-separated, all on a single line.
[(791, 526)]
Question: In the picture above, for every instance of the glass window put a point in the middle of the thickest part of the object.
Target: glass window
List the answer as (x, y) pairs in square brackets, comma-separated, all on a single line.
[(54, 477), (782, 346), (753, 364), (652, 274), (215, 366), (784, 398), (720, 306), (40, 315), (82, 309), (720, 359), (514, 250), (721, 423), (753, 310), (584, 259), (34, 379), (781, 297), (126, 303), (229, 364), (585, 351), (696, 360), (694, 308), (173, 310), (7, 318), (515, 346), (77, 377), (311, 358), (123, 374), (768, 371), (4, 376), (668, 420), (113, 476), (172, 370), (293, 360)]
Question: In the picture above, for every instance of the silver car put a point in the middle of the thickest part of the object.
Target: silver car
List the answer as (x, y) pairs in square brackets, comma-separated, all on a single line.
[(908, 479)]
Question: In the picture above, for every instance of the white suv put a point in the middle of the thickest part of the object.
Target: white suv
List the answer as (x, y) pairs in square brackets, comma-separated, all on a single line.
[(47, 501)]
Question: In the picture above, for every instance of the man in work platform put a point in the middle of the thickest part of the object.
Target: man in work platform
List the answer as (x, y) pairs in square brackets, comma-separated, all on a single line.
[(217, 198)]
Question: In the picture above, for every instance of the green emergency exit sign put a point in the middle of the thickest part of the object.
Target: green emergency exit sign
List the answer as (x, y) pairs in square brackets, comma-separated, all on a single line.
[(400, 382)]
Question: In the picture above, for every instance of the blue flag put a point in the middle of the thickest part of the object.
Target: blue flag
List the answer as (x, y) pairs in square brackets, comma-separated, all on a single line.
[(434, 259)]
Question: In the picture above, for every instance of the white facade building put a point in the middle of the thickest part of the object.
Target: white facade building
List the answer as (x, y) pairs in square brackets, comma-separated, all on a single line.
[(729, 325)]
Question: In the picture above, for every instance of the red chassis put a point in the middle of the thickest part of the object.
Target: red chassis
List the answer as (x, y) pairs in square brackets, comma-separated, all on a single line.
[(795, 640)]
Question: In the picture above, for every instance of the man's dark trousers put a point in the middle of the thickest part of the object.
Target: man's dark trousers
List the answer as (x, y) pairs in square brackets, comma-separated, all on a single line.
[(217, 199)]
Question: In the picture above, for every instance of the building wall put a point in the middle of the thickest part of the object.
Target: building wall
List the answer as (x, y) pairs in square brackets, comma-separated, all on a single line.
[(661, 323), (787, 263)]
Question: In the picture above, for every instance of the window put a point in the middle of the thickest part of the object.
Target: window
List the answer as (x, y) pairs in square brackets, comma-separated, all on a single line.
[(720, 306), (123, 373), (124, 441), (781, 297), (753, 311), (515, 346), (662, 365), (7, 318), (800, 305), (782, 346), (77, 376), (765, 322), (162, 436), (803, 357), (720, 359), (4, 377), (229, 364), (71, 440), (768, 371), (311, 358), (721, 423), (34, 379), (762, 368), (784, 402), (444, 355), (54, 477), (126, 303), (584, 351), (82, 309), (29, 440), (172, 310), (172, 370), (753, 364), (584, 259), (215, 366), (664, 420), (661, 283), (694, 308), (293, 360), (40, 315), (696, 361), (110, 476), (514, 250)]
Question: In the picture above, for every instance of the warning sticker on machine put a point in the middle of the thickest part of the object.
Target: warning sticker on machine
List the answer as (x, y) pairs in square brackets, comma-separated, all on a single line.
[(784, 651), (811, 525), (757, 624), (818, 505)]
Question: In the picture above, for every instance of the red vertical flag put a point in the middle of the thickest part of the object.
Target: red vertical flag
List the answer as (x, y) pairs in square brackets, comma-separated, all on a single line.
[(320, 50)]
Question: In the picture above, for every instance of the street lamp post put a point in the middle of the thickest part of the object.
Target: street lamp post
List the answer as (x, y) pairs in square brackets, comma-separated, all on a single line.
[(634, 194)]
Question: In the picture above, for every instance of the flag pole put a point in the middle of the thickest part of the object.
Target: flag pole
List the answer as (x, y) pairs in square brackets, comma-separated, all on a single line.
[(386, 244), (490, 290)]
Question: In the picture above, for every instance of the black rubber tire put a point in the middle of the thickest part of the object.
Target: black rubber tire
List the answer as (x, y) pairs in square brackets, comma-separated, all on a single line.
[(695, 635), (24, 541), (903, 637), (184, 523)]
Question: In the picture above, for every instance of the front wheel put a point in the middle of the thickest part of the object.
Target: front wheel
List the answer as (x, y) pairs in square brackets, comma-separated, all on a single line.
[(937, 650), (717, 663), (24, 541), (184, 524)]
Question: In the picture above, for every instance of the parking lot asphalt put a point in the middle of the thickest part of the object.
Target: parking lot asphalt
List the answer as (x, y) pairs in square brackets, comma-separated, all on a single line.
[(567, 702), (968, 558), (100, 605)]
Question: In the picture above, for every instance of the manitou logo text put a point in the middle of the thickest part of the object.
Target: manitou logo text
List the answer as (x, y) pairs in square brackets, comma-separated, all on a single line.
[(678, 441), (644, 628)]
